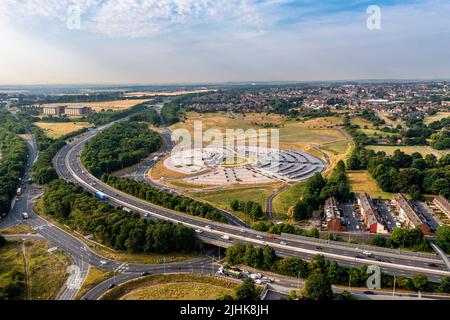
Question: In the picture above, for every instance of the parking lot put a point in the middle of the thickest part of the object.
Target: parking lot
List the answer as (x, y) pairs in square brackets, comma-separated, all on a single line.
[(386, 213), (351, 217)]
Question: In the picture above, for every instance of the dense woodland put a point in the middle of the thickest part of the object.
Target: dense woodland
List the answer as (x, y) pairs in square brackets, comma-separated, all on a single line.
[(163, 198), (122, 145), (13, 158), (171, 113), (114, 227)]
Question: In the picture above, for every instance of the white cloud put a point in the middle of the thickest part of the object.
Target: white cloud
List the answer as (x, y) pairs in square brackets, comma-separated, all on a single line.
[(143, 18)]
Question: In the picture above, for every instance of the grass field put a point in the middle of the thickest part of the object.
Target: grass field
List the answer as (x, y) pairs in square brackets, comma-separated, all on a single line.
[(173, 287), (283, 201), (59, 129), (362, 123), (104, 105), (19, 229), (94, 277), (223, 198), (376, 133), (47, 271), (423, 150), (362, 181), (438, 116)]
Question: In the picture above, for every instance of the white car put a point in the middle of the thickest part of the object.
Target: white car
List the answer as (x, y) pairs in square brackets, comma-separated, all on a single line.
[(198, 231), (367, 253), (226, 237), (283, 243), (208, 227), (259, 236), (242, 231), (103, 262)]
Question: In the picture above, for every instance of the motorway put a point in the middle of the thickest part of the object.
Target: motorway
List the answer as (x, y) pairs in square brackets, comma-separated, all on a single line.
[(69, 167)]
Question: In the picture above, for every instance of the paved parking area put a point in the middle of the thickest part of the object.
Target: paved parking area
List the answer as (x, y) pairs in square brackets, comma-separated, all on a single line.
[(350, 218), (428, 216), (386, 213)]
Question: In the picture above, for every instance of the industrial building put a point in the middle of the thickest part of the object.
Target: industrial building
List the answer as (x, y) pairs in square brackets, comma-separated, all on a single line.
[(370, 215), (443, 204), (78, 111), (408, 215), (53, 110), (333, 215), (65, 110)]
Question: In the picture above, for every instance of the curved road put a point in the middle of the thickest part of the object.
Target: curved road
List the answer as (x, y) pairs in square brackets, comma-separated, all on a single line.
[(70, 168)]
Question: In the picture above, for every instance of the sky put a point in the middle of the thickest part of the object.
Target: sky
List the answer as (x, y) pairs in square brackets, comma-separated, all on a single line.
[(201, 41)]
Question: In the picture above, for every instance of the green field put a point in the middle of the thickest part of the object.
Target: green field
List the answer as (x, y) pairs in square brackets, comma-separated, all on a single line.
[(46, 271), (173, 287), (223, 198), (362, 181), (288, 198)]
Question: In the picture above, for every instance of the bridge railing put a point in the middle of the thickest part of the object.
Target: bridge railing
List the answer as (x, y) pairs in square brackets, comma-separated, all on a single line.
[(358, 246)]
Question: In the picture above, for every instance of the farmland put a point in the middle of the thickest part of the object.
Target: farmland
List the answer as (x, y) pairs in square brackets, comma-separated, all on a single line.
[(423, 150), (59, 129), (105, 105)]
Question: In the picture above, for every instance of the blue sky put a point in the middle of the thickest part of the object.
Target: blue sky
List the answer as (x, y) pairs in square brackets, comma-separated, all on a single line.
[(179, 41)]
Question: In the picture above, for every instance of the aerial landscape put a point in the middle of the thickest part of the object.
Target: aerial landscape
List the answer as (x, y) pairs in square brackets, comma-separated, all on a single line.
[(265, 167)]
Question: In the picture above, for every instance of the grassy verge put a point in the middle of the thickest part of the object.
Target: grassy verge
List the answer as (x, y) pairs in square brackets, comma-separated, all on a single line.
[(94, 277), (173, 287), (19, 229), (47, 271), (286, 199)]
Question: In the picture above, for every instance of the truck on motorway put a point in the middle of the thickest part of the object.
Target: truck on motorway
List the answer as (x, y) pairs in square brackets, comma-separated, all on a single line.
[(226, 237), (101, 195)]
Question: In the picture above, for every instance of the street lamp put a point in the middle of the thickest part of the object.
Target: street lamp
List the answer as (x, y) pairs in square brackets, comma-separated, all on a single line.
[(393, 290)]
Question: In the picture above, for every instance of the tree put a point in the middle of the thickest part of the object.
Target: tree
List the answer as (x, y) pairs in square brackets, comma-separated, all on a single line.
[(318, 287), (419, 281), (247, 291), (443, 238), (445, 285)]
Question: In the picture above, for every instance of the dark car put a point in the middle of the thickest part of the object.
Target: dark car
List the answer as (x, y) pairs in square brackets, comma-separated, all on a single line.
[(145, 273), (368, 292), (433, 265), (112, 285)]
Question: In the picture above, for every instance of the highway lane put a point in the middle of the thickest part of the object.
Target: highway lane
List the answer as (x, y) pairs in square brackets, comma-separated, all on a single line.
[(69, 167)]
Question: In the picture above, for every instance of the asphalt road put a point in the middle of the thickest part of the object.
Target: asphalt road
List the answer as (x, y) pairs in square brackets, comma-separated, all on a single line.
[(70, 168)]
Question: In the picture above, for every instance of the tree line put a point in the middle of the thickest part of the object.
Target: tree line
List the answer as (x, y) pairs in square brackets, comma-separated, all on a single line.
[(121, 145), (318, 189), (13, 158), (253, 209), (171, 113), (162, 198), (104, 117), (147, 115), (413, 174), (113, 227)]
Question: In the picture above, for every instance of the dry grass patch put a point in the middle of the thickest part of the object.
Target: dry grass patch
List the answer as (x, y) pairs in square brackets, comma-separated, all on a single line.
[(173, 287), (58, 129), (19, 229), (362, 181), (438, 116), (286, 199), (94, 277), (423, 150)]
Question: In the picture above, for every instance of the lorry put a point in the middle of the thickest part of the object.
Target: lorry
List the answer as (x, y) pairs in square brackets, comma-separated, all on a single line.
[(101, 195)]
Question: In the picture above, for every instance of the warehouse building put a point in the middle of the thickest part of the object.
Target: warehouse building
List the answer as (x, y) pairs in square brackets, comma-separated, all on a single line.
[(53, 110)]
